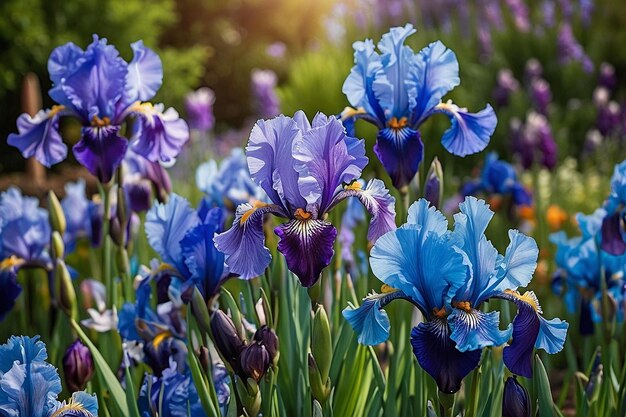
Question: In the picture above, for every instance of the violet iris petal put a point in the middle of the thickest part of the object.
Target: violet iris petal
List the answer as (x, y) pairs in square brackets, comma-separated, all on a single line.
[(101, 151), (39, 137)]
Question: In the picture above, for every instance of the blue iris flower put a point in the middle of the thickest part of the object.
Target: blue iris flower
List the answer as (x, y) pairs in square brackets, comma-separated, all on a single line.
[(448, 276), (305, 169), (101, 90), (230, 184), (29, 386), (183, 237), (614, 224), (498, 177), (24, 238), (583, 263), (397, 90)]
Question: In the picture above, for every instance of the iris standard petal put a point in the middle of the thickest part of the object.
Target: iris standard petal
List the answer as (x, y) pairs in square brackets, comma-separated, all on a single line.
[(39, 137), (475, 329), (145, 73), (81, 404), (96, 84), (428, 271), (101, 150), (270, 161), (378, 201), (436, 72), (358, 87), (520, 261), (9, 291), (400, 150), (326, 158), (369, 321), (160, 135), (439, 356), (166, 226), (307, 246), (422, 214), (470, 132), (205, 262), (395, 89), (63, 61), (244, 243), (613, 235)]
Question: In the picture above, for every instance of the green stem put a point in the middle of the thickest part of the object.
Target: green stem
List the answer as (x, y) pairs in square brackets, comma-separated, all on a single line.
[(446, 404), (105, 190)]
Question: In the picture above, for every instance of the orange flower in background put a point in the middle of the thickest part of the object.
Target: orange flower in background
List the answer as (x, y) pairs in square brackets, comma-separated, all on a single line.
[(526, 212), (556, 216)]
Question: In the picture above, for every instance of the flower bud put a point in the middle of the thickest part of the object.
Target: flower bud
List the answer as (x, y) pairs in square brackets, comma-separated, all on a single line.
[(66, 293), (200, 310), (515, 401), (433, 188), (227, 341), (319, 390), (57, 246), (321, 344), (255, 361), (77, 366), (57, 217), (267, 337)]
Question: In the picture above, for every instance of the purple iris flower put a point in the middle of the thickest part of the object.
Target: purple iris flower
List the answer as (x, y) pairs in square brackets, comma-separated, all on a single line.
[(507, 85), (305, 169), (141, 178), (534, 140), (266, 100), (397, 90), (448, 275), (570, 50), (199, 106), (101, 90), (614, 224)]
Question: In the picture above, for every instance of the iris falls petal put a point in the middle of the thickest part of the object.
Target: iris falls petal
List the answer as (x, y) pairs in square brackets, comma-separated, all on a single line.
[(400, 150), (474, 329), (101, 150), (307, 246), (439, 356), (470, 132), (369, 320), (160, 135), (39, 137)]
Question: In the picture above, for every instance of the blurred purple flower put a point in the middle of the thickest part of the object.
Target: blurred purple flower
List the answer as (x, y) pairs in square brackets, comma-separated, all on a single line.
[(276, 49), (520, 14), (541, 95), (506, 85), (608, 78), (534, 139), (570, 50), (266, 100), (199, 106)]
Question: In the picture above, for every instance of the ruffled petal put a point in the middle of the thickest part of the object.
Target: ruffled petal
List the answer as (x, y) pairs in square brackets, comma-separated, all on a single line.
[(244, 243), (326, 158), (401, 151), (436, 72), (552, 334), (439, 356), (166, 226), (378, 201), (160, 136), (271, 164), (145, 73), (422, 214), (307, 246), (518, 355), (396, 89), (369, 320), (428, 271), (520, 262), (39, 137), (470, 132), (63, 61), (475, 329), (358, 87), (101, 150)]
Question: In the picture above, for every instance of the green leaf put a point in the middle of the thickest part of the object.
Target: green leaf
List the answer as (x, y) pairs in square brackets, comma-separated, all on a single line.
[(108, 377), (201, 385), (131, 394), (541, 381)]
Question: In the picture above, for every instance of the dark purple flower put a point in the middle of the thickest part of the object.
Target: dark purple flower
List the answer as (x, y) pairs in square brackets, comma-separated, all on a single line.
[(541, 95), (77, 366), (515, 402), (507, 85), (608, 78), (255, 361), (226, 339), (305, 169)]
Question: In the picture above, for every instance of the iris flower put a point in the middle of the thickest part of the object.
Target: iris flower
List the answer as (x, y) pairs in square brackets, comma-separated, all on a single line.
[(397, 90), (583, 264), (305, 169), (183, 237), (614, 224), (142, 179), (448, 276), (101, 90), (498, 177), (29, 385)]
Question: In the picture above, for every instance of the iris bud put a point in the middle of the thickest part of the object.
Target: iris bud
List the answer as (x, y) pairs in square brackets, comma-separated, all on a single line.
[(267, 337), (227, 341), (57, 217), (255, 361), (319, 389), (66, 293), (77, 366), (321, 344), (57, 246), (433, 188), (200, 310), (515, 402)]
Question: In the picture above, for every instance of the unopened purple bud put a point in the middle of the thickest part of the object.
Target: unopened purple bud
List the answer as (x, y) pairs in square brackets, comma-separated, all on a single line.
[(199, 106), (433, 188), (226, 339), (515, 401), (267, 337), (77, 366), (255, 361)]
